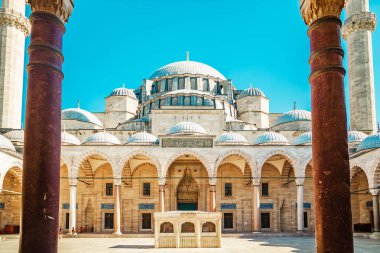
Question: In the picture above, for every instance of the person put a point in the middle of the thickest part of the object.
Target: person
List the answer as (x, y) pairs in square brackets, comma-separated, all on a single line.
[(73, 233), (60, 233)]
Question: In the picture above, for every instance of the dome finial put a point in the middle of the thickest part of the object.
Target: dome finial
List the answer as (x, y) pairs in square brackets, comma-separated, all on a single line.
[(123, 85), (378, 127), (250, 85), (294, 105), (78, 103), (187, 56)]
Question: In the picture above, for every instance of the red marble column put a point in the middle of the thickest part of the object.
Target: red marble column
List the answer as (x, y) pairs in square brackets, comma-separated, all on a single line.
[(330, 152), (42, 147)]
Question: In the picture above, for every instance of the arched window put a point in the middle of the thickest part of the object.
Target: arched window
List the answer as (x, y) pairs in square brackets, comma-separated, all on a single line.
[(187, 227), (206, 85), (187, 101)]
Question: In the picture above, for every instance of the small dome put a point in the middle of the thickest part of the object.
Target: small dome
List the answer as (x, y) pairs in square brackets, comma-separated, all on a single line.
[(303, 139), (370, 142), (231, 138), (187, 67), (143, 138), (356, 136), (187, 128), (69, 139), (292, 116), (271, 138), (102, 138), (15, 135), (123, 92), (251, 92), (80, 115), (6, 144)]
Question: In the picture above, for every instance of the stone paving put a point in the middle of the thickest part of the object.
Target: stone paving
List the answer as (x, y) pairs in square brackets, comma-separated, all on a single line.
[(236, 245)]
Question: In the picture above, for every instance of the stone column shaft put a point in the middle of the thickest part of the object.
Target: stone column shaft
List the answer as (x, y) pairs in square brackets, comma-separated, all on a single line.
[(42, 146), (300, 223), (162, 198), (375, 204), (256, 208), (117, 208), (73, 207), (330, 151), (212, 198)]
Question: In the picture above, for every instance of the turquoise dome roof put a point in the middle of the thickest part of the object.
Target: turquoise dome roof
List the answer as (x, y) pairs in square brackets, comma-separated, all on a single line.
[(80, 115), (187, 128), (143, 138), (102, 138), (251, 92), (293, 116), (231, 138), (356, 136), (15, 135), (303, 139), (187, 67), (6, 144), (271, 138), (69, 139), (370, 142)]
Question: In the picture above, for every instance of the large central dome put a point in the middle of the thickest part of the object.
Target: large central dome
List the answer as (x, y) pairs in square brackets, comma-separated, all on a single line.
[(187, 67)]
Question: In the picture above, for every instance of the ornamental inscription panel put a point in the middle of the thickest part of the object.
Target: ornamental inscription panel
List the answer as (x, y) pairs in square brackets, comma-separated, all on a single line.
[(187, 143)]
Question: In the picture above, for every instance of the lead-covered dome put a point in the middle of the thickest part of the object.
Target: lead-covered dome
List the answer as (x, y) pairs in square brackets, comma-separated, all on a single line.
[(143, 138), (371, 142), (6, 144), (103, 138), (356, 136), (303, 139), (123, 92), (15, 135), (80, 115), (69, 139), (187, 128), (187, 67), (293, 116), (271, 138), (231, 138), (251, 92)]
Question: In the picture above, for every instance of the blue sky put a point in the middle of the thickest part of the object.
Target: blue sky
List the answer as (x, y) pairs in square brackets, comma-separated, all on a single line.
[(108, 43)]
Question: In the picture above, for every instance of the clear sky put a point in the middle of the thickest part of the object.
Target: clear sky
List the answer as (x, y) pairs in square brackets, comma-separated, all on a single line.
[(108, 43)]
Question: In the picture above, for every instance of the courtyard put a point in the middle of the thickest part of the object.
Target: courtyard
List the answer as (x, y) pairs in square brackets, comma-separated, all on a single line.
[(241, 245)]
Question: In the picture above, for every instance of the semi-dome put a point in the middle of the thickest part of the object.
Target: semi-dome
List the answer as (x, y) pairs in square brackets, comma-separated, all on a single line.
[(143, 138), (271, 138), (251, 92), (123, 92), (231, 138), (102, 138), (293, 116), (356, 136), (370, 142), (187, 128), (6, 144), (303, 139), (69, 139), (80, 115), (187, 67), (15, 135)]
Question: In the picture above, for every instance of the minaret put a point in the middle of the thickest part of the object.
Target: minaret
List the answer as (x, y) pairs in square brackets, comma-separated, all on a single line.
[(357, 30), (14, 27)]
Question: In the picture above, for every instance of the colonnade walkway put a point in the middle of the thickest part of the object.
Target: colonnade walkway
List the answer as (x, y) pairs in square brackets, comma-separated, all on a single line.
[(241, 245)]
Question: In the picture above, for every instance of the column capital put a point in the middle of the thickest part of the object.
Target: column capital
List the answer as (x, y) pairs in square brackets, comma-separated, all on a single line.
[(73, 181), (300, 181), (375, 191), (16, 19), (60, 8), (117, 181), (311, 10), (359, 21)]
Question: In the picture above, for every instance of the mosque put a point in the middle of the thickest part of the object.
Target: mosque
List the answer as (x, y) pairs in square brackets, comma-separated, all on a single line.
[(187, 139)]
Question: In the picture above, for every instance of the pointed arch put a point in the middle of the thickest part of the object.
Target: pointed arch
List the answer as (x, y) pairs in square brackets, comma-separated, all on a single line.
[(235, 152), (121, 167), (84, 156), (287, 155), (185, 152)]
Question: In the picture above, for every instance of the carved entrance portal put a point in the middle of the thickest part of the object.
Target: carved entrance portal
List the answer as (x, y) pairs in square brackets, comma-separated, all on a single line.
[(187, 192)]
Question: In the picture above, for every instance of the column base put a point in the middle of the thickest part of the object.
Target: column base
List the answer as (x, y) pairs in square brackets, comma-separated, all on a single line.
[(375, 235), (117, 233)]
